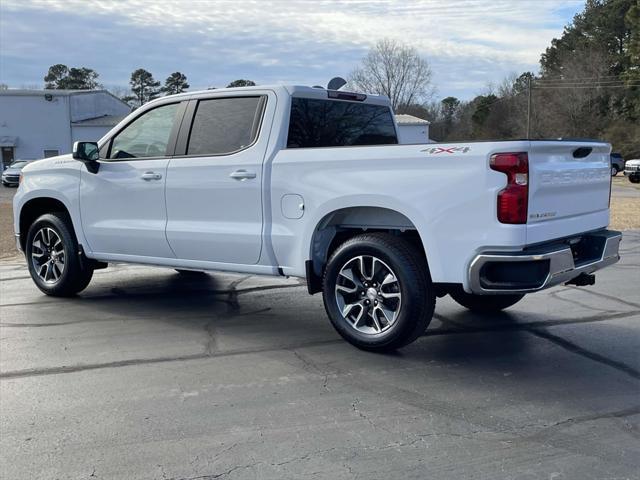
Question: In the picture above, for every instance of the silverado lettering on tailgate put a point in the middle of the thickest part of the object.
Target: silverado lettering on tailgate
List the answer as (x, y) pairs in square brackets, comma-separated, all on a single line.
[(587, 175)]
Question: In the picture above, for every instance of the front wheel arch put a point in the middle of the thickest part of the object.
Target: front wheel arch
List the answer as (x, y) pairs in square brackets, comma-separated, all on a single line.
[(35, 208), (56, 252)]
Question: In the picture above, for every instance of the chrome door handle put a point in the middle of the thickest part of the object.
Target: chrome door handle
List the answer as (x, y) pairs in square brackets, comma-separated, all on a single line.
[(242, 175), (151, 176)]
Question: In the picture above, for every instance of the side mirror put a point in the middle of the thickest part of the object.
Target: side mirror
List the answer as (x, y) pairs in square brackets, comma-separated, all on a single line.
[(88, 153)]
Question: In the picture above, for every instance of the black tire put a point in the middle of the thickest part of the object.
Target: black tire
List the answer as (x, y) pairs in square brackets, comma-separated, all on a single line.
[(76, 274), (415, 305), (634, 178), (484, 303), (614, 170)]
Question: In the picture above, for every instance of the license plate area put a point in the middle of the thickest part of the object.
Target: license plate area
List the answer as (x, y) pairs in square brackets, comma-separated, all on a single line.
[(587, 249)]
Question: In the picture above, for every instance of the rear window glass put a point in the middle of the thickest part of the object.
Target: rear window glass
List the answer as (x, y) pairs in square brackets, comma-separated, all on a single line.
[(333, 123), (224, 125)]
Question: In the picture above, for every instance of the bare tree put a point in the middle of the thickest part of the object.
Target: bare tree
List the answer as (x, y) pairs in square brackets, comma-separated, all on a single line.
[(396, 70), (565, 107)]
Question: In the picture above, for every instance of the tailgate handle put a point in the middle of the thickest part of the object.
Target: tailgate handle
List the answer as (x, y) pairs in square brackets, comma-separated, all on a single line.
[(582, 152)]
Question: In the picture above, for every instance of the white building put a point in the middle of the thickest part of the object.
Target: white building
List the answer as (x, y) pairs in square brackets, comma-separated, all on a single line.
[(37, 124), (412, 129)]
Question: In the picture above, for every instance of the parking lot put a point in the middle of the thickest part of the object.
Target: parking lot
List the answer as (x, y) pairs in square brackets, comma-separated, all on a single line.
[(151, 375)]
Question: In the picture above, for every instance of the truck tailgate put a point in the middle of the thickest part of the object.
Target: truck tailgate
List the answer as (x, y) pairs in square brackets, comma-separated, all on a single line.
[(569, 188)]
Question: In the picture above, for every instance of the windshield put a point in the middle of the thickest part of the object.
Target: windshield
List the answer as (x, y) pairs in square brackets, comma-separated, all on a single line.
[(18, 164)]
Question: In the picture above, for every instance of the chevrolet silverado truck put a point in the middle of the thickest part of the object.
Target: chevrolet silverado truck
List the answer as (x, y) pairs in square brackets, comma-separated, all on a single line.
[(311, 183)]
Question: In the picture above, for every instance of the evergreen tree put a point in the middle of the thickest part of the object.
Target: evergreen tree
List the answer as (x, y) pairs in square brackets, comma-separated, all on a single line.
[(175, 83)]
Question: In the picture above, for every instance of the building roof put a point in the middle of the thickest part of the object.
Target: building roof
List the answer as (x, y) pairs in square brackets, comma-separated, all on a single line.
[(105, 121), (402, 119), (56, 93), (26, 92)]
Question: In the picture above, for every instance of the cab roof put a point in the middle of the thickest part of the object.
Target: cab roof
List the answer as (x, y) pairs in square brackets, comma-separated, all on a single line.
[(295, 91)]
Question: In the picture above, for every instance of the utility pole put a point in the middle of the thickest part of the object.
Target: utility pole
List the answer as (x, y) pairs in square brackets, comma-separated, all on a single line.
[(529, 107)]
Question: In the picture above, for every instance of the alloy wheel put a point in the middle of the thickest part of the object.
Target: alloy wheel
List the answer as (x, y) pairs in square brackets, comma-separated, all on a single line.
[(368, 294), (48, 255)]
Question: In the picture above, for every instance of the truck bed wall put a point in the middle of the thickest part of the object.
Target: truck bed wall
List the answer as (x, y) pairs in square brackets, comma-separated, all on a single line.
[(447, 191)]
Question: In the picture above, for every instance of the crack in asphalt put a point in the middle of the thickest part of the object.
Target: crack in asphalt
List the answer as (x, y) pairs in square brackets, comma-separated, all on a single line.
[(459, 329), (628, 412), (416, 438), (233, 306), (577, 303), (310, 366), (596, 357), (608, 297), (559, 341), (432, 332), (182, 293), (33, 372)]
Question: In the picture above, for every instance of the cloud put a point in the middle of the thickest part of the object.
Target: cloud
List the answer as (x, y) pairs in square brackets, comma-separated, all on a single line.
[(468, 42)]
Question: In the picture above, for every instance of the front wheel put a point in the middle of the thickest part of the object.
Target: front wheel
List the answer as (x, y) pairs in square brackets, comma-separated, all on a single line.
[(377, 292), (614, 170), (484, 303), (634, 178), (53, 257)]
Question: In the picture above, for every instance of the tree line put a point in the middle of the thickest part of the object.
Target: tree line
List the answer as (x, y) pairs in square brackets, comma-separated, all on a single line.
[(588, 85), (143, 86)]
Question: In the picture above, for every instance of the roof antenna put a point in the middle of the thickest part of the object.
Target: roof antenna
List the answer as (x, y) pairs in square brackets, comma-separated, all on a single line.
[(336, 83)]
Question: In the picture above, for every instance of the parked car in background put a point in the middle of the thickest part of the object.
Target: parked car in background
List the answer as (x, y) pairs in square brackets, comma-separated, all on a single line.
[(632, 170), (617, 164), (11, 176)]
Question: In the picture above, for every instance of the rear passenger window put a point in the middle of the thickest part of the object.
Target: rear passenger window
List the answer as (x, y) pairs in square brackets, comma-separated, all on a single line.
[(224, 125), (334, 123)]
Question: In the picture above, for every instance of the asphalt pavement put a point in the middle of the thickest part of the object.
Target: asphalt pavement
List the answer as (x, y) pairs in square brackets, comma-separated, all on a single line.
[(152, 375)]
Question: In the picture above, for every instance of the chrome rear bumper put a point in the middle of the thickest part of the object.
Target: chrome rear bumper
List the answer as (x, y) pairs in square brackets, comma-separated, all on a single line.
[(543, 266)]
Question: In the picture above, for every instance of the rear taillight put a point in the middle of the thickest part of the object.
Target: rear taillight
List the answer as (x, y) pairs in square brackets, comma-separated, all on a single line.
[(513, 199)]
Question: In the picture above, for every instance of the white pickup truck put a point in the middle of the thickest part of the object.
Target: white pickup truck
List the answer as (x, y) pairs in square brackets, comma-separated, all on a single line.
[(309, 182)]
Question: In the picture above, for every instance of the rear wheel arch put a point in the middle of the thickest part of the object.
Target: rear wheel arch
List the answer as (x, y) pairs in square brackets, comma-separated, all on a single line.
[(377, 291), (340, 225)]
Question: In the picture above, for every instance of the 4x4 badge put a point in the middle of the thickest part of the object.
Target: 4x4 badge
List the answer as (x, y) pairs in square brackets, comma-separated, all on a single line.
[(436, 150)]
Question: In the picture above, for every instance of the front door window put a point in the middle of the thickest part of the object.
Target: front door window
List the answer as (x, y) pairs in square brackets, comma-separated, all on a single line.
[(147, 136)]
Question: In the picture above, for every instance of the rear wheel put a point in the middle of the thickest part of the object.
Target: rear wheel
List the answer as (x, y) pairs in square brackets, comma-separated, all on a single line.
[(53, 256), (377, 292), (484, 303), (614, 170)]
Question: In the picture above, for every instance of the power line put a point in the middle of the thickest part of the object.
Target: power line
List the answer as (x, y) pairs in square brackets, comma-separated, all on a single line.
[(560, 79), (601, 82), (574, 87)]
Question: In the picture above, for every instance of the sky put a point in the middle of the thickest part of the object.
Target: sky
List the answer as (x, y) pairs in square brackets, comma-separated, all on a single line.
[(469, 44)]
